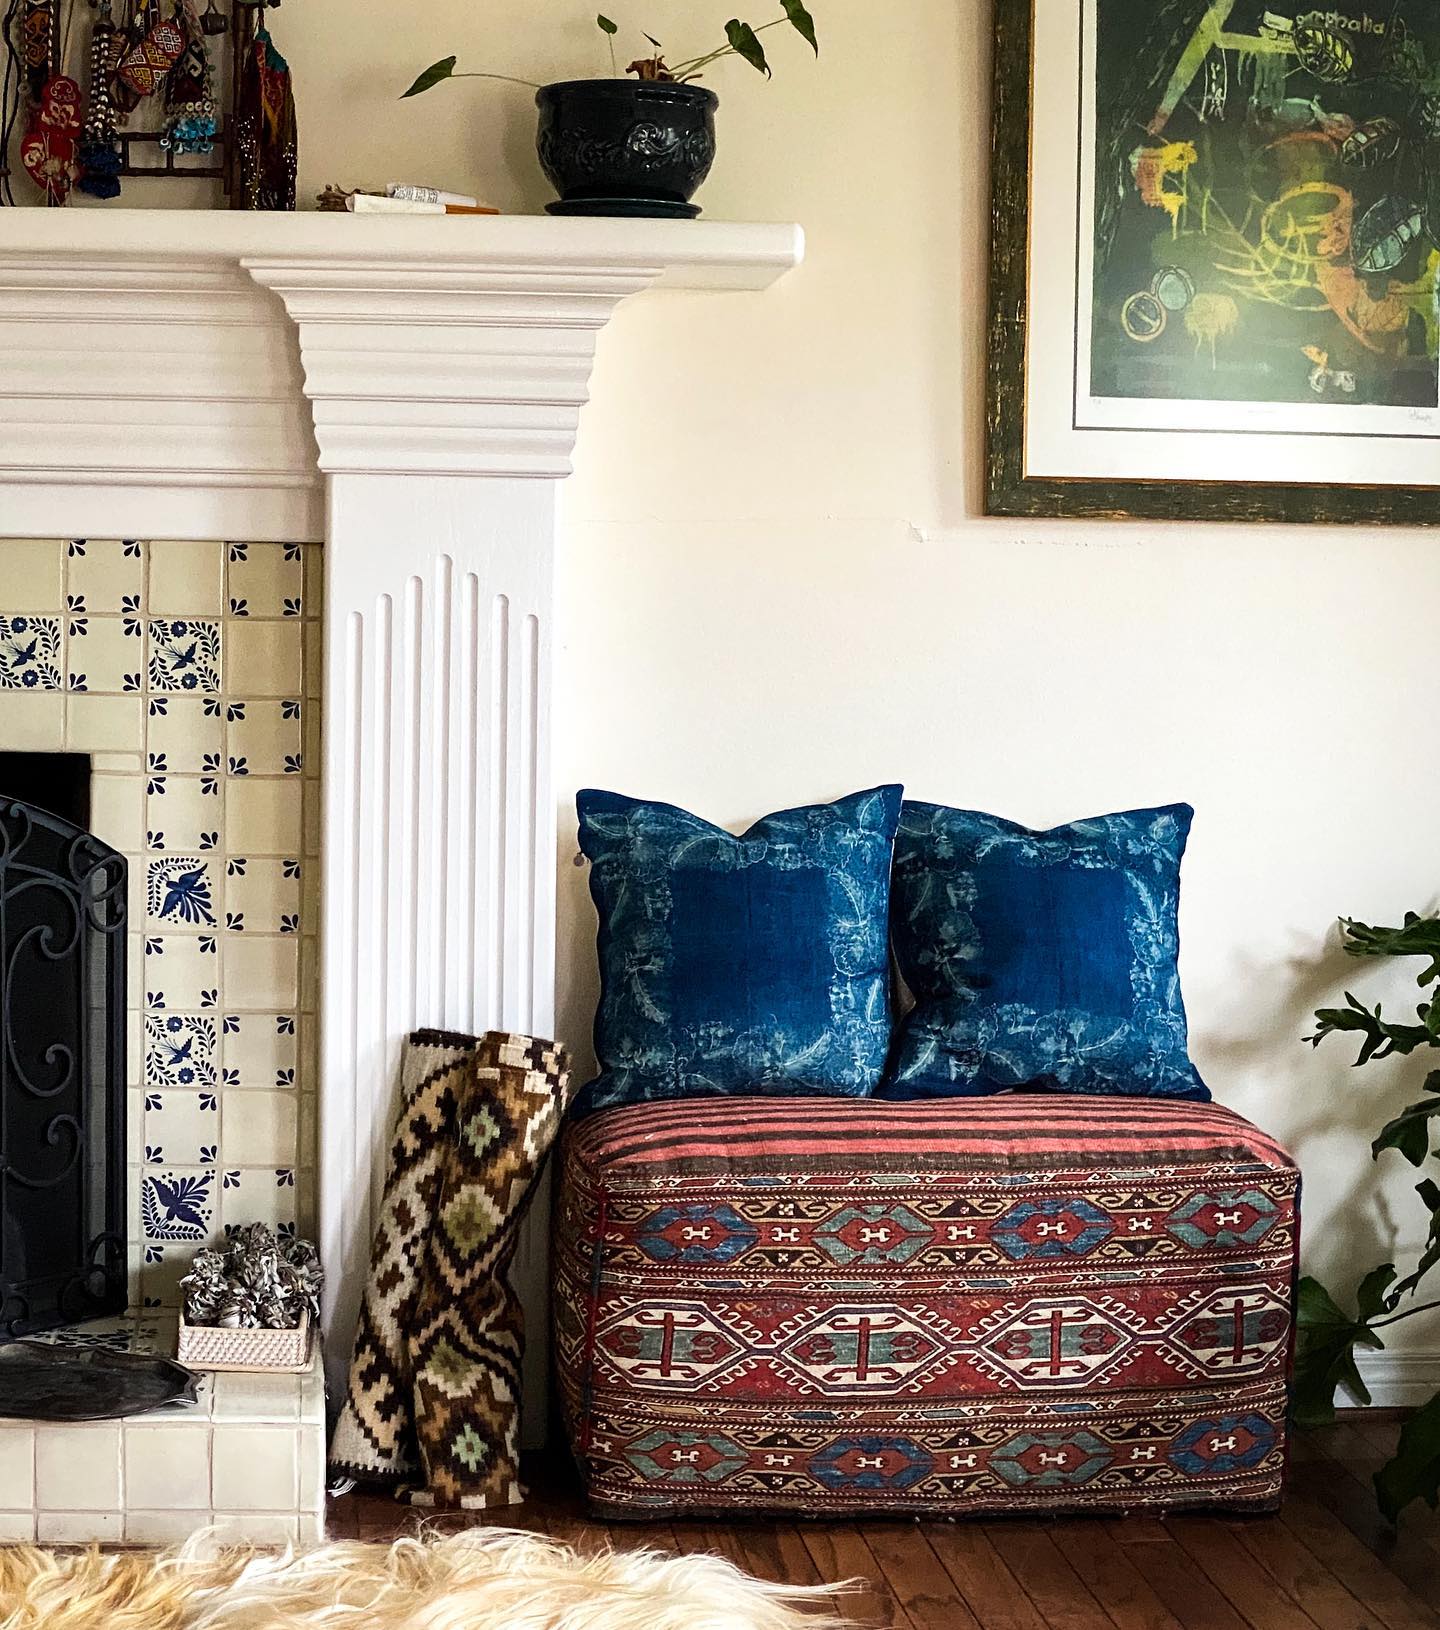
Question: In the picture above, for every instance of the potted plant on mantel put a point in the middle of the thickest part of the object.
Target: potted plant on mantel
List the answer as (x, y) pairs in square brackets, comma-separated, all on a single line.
[(639, 145)]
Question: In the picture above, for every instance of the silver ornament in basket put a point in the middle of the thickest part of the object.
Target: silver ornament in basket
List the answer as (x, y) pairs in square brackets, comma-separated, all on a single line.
[(251, 1306)]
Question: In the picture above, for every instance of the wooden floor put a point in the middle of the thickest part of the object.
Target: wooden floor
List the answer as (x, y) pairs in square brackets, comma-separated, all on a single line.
[(1327, 1562)]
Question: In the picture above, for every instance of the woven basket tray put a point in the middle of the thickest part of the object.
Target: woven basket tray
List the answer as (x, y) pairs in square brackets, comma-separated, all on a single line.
[(207, 1347)]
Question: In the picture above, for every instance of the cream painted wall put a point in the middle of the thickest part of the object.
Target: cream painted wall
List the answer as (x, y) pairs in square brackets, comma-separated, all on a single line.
[(776, 587)]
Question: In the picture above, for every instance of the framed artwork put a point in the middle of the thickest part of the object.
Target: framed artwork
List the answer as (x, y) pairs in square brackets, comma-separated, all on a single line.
[(1214, 265)]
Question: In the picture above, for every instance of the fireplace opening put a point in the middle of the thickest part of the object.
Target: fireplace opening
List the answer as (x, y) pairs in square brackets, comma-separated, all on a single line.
[(62, 1050), (58, 783)]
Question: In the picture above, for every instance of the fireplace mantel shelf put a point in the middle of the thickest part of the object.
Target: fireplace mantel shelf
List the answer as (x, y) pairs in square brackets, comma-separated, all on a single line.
[(196, 353), (677, 254)]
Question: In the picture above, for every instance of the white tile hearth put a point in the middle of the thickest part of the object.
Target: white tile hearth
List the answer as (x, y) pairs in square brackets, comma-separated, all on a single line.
[(248, 1460), (181, 668)]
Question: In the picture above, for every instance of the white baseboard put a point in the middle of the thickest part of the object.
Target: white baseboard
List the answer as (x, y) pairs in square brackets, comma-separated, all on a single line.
[(1398, 1380)]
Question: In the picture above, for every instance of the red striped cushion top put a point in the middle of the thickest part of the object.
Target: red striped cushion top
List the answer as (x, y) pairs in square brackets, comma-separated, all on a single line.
[(931, 1135)]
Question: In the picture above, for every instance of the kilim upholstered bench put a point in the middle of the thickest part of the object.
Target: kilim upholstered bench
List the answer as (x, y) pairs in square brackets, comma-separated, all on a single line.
[(832, 1307)]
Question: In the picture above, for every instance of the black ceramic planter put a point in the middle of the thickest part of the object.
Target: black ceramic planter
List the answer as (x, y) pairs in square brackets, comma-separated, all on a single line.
[(626, 146)]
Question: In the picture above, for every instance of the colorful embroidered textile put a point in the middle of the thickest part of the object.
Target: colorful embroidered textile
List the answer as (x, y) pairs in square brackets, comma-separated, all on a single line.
[(1002, 1305), (144, 66), (468, 1336), (48, 150), (266, 140)]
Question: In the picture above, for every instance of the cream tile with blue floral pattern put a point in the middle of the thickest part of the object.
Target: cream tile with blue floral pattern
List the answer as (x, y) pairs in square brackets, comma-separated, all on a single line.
[(265, 580), (182, 1126), (259, 1049), (181, 1050), (262, 895), (182, 811), (188, 672), (257, 1194), (180, 893), (265, 737), (184, 654), (30, 652), (105, 654), (185, 735), (106, 573), (182, 972)]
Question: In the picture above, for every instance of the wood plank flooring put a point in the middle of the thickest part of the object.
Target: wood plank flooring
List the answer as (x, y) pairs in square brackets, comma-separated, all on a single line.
[(1326, 1562)]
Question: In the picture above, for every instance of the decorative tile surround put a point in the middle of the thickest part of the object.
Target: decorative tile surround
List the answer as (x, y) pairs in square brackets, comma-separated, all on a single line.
[(191, 674)]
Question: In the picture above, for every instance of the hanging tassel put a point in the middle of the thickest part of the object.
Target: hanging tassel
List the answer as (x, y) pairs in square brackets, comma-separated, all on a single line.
[(99, 152)]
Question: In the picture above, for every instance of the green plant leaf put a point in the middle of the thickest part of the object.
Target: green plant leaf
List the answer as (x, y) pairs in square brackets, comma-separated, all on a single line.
[(1429, 1192), (1374, 1298), (1325, 1348), (1381, 1038), (1414, 1473), (1420, 936), (1409, 1132), (653, 41), (802, 22), (605, 26), (433, 75), (745, 43), (1314, 1305)]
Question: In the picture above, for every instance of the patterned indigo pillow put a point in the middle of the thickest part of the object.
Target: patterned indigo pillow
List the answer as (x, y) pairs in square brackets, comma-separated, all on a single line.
[(1040, 960), (756, 964)]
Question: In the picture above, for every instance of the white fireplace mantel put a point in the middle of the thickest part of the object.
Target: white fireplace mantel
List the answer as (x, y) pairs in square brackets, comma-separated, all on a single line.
[(407, 390), (157, 349)]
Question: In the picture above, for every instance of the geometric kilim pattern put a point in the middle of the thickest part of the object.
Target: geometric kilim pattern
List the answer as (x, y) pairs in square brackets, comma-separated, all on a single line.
[(374, 1438), (467, 1340), (1010, 1304), (434, 1378)]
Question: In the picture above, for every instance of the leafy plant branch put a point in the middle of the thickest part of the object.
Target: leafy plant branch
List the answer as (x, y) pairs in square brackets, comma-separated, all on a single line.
[(741, 40), (1329, 1337)]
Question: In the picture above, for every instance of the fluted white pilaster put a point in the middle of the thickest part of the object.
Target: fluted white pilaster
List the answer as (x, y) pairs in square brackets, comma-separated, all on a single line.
[(439, 813)]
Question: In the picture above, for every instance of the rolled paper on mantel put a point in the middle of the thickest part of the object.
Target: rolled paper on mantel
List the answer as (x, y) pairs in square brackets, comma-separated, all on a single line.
[(430, 195), (366, 203)]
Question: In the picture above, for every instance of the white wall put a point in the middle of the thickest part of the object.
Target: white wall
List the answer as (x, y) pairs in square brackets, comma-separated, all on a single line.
[(776, 587)]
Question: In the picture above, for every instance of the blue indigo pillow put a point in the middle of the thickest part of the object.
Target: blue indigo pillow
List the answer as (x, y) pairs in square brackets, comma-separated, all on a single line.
[(1040, 960), (756, 964)]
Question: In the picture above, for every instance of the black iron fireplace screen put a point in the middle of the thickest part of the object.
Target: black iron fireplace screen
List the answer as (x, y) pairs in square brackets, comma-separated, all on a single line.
[(62, 1072)]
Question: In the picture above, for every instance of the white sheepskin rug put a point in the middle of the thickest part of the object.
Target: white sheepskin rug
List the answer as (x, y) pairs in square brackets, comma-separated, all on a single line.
[(482, 1579)]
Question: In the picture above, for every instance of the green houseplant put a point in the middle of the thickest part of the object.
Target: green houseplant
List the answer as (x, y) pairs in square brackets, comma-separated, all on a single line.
[(638, 143), (1329, 1336)]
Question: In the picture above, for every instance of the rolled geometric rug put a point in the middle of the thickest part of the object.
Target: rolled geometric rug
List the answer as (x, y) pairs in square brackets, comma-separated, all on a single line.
[(468, 1339), (374, 1438), (435, 1380)]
